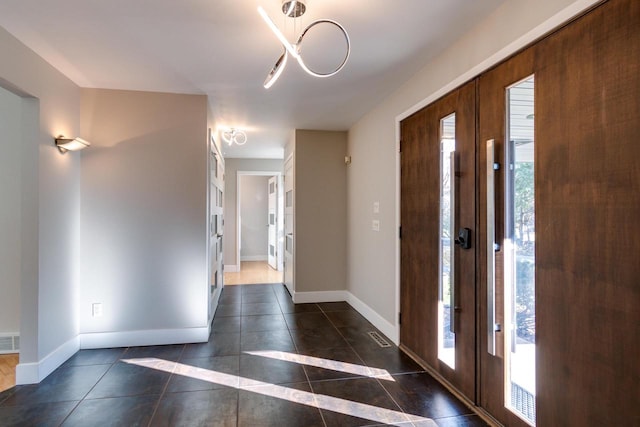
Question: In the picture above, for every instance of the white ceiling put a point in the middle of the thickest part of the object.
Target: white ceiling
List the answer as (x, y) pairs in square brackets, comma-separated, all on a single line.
[(222, 48)]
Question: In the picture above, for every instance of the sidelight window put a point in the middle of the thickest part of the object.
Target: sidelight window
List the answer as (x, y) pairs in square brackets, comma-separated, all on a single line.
[(446, 332), (519, 252)]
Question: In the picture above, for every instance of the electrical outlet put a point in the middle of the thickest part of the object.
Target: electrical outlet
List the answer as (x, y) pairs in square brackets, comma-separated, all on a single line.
[(96, 309), (376, 207), (375, 225)]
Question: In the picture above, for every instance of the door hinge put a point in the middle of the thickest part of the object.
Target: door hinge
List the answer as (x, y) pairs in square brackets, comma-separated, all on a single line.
[(399, 318), (400, 146), (400, 232)]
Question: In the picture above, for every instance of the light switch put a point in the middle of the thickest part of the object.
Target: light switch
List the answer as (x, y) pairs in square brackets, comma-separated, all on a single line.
[(375, 225), (376, 207), (96, 309)]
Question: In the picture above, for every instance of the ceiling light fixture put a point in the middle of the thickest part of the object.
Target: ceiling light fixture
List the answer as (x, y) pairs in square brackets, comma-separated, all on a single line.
[(70, 144), (234, 136), (294, 9), (290, 48), (277, 69)]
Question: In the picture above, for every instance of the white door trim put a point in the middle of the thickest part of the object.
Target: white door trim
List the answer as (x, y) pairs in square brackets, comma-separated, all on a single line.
[(290, 266)]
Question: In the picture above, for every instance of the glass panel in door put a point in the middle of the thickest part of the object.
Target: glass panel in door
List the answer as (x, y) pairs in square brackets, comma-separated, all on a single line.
[(519, 252), (289, 254), (446, 335), (271, 224)]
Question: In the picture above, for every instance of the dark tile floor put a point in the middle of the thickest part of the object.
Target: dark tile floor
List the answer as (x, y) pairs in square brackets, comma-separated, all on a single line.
[(268, 363)]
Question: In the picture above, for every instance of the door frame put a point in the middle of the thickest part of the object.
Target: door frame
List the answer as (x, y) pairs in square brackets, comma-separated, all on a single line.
[(289, 160), (280, 213)]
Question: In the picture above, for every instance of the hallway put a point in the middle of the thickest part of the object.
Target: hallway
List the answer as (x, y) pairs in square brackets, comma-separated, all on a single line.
[(252, 273), (268, 363)]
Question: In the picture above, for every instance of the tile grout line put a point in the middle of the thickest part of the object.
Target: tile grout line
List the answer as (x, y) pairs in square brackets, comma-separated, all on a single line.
[(351, 347), (164, 389), (243, 315), (367, 365), (240, 355), (394, 400), (94, 386), (70, 412), (306, 375), (314, 397)]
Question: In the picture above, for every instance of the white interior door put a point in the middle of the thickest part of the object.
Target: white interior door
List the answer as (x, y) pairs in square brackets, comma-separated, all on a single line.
[(272, 246), (288, 226)]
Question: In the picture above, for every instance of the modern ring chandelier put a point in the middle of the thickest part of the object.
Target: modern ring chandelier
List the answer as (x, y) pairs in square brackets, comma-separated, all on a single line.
[(234, 136), (295, 9)]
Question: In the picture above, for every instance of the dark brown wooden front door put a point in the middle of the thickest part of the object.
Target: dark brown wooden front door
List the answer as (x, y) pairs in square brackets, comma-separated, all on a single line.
[(587, 205), (496, 123), (437, 200)]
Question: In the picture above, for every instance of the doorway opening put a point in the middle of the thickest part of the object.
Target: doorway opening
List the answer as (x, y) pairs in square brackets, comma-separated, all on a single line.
[(10, 237), (19, 119), (259, 228)]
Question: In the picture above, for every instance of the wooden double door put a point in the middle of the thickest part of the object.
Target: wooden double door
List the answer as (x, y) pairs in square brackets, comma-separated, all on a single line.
[(438, 199), (464, 165), (520, 201)]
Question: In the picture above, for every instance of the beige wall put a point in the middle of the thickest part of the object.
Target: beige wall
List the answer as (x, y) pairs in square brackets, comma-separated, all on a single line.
[(372, 274), (232, 166), (320, 211), (50, 199), (144, 212)]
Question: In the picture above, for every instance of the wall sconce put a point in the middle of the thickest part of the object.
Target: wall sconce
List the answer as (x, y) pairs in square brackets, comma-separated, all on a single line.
[(70, 144)]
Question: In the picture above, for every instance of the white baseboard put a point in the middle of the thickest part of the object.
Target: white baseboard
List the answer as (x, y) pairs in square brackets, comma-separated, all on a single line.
[(254, 258), (322, 296), (33, 373), (229, 268), (386, 327), (142, 338)]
